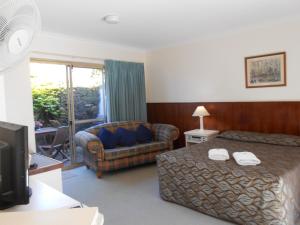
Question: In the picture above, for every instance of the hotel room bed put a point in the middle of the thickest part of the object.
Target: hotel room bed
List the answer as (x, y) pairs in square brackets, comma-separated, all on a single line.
[(266, 194)]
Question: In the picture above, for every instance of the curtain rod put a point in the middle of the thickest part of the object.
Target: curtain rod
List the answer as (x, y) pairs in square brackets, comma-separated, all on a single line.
[(68, 56)]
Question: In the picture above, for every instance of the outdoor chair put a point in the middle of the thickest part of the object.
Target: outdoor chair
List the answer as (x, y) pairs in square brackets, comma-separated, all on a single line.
[(55, 123), (58, 145)]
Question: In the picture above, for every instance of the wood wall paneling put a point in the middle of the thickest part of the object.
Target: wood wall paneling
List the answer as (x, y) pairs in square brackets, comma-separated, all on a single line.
[(266, 117)]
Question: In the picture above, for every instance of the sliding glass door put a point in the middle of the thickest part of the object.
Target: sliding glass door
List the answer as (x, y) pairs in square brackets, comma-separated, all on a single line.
[(66, 94), (87, 103)]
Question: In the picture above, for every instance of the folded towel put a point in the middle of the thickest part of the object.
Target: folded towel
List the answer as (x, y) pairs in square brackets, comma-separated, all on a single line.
[(246, 158), (218, 154)]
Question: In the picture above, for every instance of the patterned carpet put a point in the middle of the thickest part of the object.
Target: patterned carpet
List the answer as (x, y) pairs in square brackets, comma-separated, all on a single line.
[(130, 197)]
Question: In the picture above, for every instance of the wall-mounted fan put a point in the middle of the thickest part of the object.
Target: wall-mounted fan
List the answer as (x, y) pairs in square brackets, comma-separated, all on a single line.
[(19, 22)]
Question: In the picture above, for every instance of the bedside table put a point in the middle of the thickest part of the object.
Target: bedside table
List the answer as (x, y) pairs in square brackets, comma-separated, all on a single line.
[(197, 136)]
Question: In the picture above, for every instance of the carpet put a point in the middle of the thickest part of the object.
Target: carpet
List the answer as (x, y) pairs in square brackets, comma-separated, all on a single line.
[(130, 197)]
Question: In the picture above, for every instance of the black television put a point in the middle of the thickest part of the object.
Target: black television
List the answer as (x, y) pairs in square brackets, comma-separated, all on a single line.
[(14, 188)]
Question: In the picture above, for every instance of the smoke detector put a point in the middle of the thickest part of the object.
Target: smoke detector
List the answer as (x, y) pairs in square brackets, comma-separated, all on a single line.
[(111, 19)]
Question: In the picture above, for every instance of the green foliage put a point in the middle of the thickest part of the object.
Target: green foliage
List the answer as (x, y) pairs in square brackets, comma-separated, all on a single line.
[(51, 104), (46, 104)]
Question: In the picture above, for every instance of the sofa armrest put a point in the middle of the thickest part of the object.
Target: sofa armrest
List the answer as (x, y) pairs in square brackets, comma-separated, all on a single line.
[(165, 132), (90, 143)]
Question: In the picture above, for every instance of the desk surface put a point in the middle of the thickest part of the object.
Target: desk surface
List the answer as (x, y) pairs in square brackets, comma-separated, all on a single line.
[(83, 216), (44, 198), (45, 164), (48, 207)]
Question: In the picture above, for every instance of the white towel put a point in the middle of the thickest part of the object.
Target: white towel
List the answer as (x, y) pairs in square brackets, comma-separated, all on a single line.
[(218, 154), (246, 159)]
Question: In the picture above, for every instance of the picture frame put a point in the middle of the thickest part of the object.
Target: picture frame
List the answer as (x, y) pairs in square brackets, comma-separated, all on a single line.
[(267, 70)]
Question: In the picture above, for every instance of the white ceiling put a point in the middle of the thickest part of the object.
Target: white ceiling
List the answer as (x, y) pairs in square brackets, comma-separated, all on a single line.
[(148, 24)]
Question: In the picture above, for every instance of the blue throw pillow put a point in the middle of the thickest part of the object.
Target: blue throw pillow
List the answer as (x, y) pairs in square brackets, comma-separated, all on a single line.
[(108, 139), (143, 134), (126, 137)]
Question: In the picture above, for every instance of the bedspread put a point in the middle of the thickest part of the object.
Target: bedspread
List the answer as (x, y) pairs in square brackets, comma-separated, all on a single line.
[(267, 194)]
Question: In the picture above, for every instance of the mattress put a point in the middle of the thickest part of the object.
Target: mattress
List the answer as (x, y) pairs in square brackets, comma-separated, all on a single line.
[(266, 194)]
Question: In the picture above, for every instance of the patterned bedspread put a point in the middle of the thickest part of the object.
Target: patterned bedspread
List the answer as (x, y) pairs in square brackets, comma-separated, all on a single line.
[(267, 194)]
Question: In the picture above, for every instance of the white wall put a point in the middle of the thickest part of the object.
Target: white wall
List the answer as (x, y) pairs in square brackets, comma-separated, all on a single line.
[(18, 99), (68, 48), (2, 99), (213, 69), (15, 88)]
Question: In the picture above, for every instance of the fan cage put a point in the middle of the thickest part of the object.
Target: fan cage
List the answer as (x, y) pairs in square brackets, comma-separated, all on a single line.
[(16, 15)]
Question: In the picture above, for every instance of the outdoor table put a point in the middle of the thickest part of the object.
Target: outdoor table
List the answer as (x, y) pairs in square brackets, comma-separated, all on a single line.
[(45, 131)]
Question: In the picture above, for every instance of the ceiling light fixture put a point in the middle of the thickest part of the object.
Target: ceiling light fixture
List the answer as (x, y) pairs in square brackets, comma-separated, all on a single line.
[(111, 19)]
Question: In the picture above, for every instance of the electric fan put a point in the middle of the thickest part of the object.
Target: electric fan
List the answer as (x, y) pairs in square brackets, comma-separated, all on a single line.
[(19, 22)]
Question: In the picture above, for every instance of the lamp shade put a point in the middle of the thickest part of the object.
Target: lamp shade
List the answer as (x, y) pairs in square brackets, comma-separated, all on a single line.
[(200, 111)]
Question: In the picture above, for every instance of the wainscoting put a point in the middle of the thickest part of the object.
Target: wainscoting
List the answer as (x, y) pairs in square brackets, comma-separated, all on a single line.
[(267, 117)]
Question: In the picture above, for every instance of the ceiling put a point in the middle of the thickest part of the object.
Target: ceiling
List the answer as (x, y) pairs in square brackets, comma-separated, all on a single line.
[(148, 24)]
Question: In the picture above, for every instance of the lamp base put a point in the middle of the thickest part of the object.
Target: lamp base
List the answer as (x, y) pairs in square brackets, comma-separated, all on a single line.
[(201, 123)]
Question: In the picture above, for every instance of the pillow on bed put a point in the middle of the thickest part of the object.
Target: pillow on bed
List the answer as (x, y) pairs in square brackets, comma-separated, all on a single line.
[(275, 139)]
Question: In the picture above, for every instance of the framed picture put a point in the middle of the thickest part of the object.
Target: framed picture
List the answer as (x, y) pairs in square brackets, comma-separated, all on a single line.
[(266, 70)]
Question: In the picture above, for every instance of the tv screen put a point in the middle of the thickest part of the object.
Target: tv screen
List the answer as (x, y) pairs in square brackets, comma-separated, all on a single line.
[(13, 165)]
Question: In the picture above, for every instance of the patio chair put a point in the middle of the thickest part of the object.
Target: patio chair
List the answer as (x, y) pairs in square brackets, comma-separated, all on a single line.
[(58, 145), (55, 123)]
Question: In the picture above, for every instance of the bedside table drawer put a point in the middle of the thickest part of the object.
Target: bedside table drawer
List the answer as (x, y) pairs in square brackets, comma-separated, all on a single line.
[(199, 136), (196, 139)]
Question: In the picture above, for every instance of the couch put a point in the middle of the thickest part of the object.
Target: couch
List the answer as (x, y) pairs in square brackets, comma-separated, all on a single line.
[(100, 159)]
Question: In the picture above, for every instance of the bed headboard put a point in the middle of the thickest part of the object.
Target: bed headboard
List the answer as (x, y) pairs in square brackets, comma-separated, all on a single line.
[(266, 117)]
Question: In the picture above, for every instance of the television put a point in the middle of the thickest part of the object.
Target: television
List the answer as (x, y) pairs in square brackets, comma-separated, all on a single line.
[(14, 188)]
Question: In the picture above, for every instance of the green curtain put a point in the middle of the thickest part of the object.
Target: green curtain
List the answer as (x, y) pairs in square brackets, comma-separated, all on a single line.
[(125, 91)]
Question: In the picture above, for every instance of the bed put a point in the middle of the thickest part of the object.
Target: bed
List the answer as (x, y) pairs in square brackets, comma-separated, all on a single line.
[(267, 194)]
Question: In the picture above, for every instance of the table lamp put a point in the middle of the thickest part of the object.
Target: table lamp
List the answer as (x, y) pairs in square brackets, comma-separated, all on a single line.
[(201, 112)]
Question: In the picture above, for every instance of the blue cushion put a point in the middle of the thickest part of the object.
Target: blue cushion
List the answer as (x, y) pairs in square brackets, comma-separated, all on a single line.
[(126, 137), (108, 139), (143, 134)]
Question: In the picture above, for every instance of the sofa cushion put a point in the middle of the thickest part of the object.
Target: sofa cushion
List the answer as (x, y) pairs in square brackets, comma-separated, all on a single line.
[(126, 137), (123, 152), (108, 139), (143, 134), (113, 126)]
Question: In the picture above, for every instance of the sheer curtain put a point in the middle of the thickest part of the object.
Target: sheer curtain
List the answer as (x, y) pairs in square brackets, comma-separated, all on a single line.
[(125, 91)]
